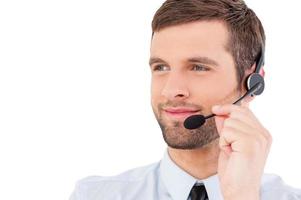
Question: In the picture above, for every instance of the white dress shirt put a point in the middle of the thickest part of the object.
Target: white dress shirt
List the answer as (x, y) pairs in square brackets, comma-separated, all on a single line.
[(164, 180)]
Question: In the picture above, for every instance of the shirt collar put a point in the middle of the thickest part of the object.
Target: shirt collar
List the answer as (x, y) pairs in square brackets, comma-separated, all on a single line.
[(179, 183)]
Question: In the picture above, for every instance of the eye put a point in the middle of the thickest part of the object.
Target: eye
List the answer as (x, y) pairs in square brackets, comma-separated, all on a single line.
[(160, 68), (200, 68)]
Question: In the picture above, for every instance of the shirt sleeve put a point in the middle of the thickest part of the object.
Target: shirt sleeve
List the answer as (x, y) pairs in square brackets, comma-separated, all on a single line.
[(76, 194), (89, 188), (276, 189)]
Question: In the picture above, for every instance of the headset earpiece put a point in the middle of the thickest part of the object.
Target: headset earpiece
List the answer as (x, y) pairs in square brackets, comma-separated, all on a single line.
[(255, 77), (252, 80)]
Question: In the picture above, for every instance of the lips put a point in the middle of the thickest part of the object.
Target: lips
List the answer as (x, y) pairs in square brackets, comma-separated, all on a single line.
[(180, 110), (180, 113)]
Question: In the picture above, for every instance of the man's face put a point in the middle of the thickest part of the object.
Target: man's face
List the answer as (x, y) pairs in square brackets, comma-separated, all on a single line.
[(191, 72)]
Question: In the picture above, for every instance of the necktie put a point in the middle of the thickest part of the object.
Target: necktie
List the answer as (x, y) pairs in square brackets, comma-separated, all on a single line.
[(198, 192)]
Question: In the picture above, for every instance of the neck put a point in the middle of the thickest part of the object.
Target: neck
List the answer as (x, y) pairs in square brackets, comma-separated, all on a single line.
[(199, 163)]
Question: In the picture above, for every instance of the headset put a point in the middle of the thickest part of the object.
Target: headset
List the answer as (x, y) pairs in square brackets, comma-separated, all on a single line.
[(255, 78), (254, 84)]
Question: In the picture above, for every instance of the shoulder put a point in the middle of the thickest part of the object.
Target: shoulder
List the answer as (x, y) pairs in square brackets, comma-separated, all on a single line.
[(273, 187), (104, 186)]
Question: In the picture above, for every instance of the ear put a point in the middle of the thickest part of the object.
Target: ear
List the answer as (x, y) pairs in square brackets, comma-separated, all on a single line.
[(262, 72), (246, 101)]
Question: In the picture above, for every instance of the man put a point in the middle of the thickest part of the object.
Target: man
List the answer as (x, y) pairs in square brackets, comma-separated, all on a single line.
[(202, 53)]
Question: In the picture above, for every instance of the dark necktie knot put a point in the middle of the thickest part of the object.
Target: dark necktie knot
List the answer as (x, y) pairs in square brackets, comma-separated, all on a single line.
[(198, 192)]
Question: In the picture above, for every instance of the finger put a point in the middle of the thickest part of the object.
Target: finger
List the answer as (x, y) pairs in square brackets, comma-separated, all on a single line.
[(232, 134), (250, 121), (229, 136), (247, 128), (245, 123), (243, 114), (241, 141), (248, 118), (237, 112), (240, 125), (219, 122), (228, 109), (233, 122), (225, 147)]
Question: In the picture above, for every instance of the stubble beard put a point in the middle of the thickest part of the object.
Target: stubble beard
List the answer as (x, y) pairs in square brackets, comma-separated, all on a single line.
[(178, 137)]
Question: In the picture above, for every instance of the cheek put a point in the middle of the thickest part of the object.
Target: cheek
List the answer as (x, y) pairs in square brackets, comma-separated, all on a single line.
[(157, 84), (213, 89), (156, 88)]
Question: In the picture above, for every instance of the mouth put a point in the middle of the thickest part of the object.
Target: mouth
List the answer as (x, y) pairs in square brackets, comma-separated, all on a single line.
[(179, 113)]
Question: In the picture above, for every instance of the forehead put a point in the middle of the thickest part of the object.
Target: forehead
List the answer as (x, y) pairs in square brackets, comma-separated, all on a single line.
[(206, 38)]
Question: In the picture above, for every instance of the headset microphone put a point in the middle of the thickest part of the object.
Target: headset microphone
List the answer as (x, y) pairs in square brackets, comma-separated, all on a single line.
[(254, 84)]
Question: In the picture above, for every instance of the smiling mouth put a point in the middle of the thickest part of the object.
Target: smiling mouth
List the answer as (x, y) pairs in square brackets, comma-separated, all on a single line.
[(180, 114)]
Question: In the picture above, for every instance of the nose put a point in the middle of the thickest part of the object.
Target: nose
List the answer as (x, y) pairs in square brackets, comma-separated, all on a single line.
[(175, 87)]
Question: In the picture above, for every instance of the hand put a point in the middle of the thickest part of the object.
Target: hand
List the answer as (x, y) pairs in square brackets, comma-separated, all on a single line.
[(244, 146)]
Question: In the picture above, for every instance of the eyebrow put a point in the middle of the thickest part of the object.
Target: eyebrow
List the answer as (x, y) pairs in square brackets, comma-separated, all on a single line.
[(199, 59)]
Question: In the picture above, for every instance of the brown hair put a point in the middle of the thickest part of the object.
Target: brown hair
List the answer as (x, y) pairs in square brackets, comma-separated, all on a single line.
[(246, 34)]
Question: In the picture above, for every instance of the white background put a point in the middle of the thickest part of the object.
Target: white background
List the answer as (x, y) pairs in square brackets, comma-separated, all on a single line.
[(75, 92)]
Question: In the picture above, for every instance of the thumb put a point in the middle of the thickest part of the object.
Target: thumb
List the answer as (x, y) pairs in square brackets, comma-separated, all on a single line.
[(219, 121)]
